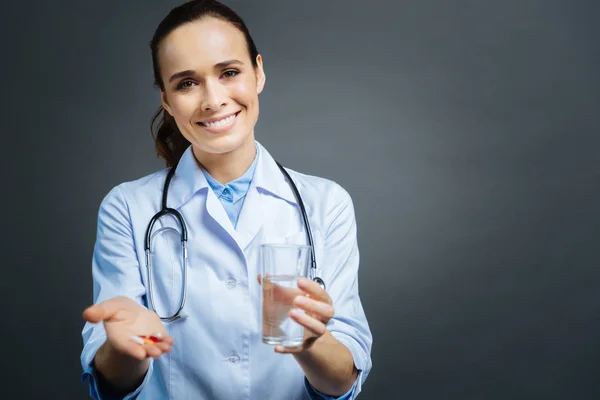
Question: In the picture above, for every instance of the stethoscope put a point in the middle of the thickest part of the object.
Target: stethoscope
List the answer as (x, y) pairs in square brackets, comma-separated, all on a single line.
[(165, 210)]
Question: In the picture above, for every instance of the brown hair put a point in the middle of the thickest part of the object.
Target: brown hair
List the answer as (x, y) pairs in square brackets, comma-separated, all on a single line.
[(169, 142)]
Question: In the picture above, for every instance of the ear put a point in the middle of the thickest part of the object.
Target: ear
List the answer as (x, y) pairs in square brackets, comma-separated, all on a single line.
[(165, 104), (260, 74)]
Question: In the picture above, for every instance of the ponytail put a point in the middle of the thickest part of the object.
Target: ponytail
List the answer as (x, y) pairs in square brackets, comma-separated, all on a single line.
[(169, 142)]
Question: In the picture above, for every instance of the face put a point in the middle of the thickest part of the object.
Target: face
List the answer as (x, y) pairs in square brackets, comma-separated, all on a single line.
[(211, 86)]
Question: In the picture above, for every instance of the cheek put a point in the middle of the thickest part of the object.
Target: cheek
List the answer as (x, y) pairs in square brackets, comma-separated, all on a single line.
[(245, 94), (183, 108)]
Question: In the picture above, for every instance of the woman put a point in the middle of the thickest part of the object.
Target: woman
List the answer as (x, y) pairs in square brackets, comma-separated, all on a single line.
[(233, 198)]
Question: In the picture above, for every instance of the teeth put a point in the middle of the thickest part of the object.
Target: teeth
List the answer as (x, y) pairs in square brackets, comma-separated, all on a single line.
[(219, 123)]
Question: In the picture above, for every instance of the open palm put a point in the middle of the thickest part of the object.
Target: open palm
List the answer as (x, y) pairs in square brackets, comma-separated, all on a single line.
[(123, 319)]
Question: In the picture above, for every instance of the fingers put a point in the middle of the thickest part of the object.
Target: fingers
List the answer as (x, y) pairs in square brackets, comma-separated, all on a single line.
[(140, 347), (314, 290), (313, 311), (168, 340), (277, 293), (123, 344), (318, 309), (136, 351), (153, 351), (296, 349), (126, 322), (313, 325), (142, 351), (157, 349), (93, 314), (288, 350), (108, 309), (163, 347), (283, 295)]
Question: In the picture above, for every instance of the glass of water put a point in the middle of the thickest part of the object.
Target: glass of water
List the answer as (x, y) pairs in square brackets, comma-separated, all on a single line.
[(282, 265)]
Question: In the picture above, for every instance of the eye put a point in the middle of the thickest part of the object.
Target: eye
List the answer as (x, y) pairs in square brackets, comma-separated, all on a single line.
[(186, 84), (230, 73)]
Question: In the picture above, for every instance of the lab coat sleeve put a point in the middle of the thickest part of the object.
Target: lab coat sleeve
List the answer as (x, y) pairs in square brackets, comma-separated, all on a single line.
[(314, 394), (115, 272), (339, 266)]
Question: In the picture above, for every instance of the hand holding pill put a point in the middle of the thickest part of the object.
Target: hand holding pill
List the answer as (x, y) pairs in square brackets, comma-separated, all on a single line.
[(131, 328)]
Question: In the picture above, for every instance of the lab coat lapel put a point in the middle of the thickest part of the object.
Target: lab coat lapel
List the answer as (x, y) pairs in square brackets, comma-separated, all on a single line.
[(268, 192), (189, 180), (217, 212), (252, 217)]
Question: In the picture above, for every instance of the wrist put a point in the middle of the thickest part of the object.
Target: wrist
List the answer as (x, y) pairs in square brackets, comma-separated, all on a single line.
[(312, 344), (118, 373), (328, 365)]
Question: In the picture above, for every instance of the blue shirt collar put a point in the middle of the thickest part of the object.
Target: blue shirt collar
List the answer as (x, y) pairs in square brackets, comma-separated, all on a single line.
[(189, 179), (235, 190)]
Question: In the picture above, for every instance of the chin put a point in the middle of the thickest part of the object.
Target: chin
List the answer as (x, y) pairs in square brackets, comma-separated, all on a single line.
[(223, 144)]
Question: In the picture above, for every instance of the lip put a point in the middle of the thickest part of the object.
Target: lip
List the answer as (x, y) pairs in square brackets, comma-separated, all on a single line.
[(220, 117), (220, 129)]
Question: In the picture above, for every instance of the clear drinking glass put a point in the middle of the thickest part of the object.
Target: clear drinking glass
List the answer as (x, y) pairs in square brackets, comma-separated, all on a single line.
[(282, 265)]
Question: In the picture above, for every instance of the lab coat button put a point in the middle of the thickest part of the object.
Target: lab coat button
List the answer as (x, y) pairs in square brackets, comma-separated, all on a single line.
[(231, 283), (234, 359)]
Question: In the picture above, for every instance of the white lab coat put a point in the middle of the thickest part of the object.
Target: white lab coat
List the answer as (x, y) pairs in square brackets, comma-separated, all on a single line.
[(218, 352)]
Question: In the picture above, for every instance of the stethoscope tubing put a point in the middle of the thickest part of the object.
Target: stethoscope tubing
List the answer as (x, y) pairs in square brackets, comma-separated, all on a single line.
[(184, 236)]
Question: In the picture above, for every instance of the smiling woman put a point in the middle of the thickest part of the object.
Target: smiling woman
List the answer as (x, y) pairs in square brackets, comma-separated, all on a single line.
[(235, 198), (198, 62), (209, 77)]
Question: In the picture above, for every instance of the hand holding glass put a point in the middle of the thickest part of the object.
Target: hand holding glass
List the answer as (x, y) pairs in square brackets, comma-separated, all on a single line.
[(282, 266)]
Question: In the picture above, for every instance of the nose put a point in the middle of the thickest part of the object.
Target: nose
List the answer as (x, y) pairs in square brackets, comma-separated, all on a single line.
[(214, 97)]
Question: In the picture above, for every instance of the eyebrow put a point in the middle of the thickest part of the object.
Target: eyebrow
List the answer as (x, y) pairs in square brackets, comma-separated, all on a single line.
[(190, 72)]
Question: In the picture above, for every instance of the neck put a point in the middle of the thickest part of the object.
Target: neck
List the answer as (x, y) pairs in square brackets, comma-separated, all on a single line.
[(229, 166)]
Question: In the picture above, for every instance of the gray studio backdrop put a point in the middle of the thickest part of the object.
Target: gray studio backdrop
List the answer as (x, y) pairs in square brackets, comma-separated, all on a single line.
[(465, 131)]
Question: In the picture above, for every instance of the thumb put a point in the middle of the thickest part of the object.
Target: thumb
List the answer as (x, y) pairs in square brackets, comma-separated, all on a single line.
[(104, 310)]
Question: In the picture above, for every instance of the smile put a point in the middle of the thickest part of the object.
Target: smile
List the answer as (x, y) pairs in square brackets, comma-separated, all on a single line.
[(221, 123)]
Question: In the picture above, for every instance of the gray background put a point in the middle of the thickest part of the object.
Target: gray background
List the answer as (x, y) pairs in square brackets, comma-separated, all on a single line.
[(465, 131)]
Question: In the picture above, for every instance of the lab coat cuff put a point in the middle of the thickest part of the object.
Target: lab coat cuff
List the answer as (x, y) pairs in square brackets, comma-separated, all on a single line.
[(361, 360), (314, 394), (362, 363), (90, 373)]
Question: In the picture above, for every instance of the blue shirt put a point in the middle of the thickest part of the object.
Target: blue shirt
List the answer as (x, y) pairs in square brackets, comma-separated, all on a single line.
[(218, 351), (233, 193)]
